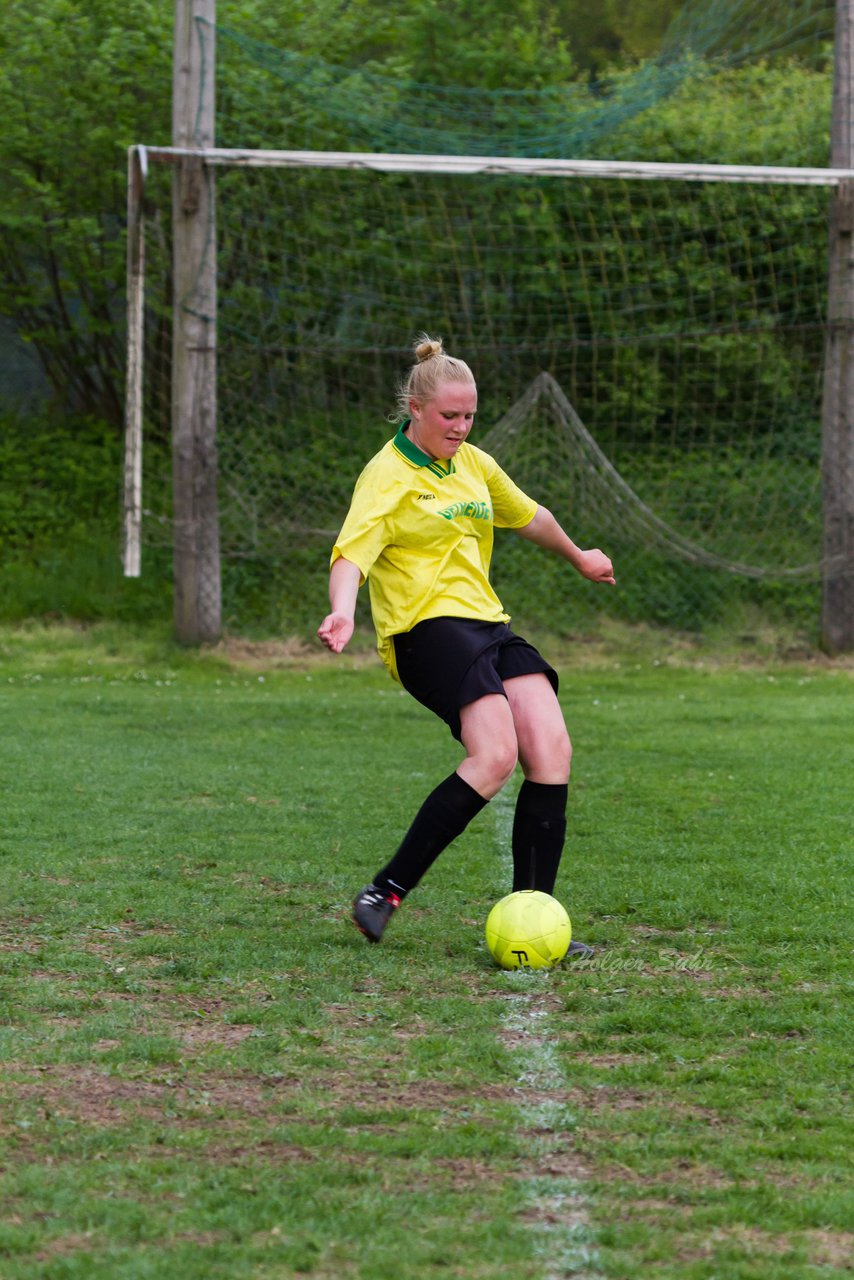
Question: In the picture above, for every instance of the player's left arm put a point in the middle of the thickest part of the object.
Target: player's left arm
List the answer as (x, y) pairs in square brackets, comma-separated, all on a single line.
[(545, 531)]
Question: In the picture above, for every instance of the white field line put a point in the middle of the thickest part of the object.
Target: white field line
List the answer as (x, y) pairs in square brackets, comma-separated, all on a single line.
[(555, 1203)]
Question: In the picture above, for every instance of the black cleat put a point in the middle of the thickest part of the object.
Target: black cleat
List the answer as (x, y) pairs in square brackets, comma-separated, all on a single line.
[(373, 909), (580, 949)]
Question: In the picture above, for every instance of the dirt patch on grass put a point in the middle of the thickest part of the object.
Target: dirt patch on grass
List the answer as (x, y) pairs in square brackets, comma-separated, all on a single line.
[(262, 655), (198, 1035), (17, 935), (738, 993), (89, 1096), (613, 1098), (61, 1246), (464, 1173), (832, 1248), (824, 1248), (75, 1242), (94, 1097), (610, 1060), (686, 1178), (100, 1099), (292, 654), (416, 1095), (682, 1174), (653, 1208), (278, 1153)]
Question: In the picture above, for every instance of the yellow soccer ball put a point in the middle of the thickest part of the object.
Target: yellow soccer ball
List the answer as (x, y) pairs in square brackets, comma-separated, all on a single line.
[(528, 930)]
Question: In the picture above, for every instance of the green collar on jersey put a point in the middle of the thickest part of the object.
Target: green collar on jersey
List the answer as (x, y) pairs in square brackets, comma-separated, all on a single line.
[(418, 457)]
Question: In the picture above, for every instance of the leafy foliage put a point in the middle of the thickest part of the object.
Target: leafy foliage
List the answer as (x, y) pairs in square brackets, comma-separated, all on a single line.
[(638, 323), (85, 83), (54, 482), (59, 525), (77, 86)]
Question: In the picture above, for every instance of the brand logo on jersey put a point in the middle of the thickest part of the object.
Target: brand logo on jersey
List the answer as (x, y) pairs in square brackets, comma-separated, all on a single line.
[(474, 511), (426, 497)]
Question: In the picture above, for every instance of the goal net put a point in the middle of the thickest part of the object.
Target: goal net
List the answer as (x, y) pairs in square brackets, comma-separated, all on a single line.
[(647, 341)]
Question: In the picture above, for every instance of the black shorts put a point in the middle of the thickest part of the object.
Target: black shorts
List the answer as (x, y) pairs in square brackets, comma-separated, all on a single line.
[(448, 662)]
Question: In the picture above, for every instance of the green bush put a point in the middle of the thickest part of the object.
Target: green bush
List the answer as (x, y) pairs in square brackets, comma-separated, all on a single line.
[(60, 537), (56, 480), (60, 526)]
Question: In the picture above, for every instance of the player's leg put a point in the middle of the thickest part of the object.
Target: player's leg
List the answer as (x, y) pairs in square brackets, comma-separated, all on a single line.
[(488, 735), (545, 753)]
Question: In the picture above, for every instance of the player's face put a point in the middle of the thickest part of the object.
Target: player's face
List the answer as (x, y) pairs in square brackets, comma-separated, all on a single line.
[(439, 426)]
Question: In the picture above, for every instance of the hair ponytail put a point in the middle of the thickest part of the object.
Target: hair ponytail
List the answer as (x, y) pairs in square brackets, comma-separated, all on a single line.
[(432, 367)]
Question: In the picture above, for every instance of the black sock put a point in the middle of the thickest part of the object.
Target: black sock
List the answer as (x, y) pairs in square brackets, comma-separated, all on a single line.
[(539, 830), (445, 813)]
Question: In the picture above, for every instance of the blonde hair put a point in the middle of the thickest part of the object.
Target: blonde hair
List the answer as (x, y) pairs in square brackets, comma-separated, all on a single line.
[(432, 367)]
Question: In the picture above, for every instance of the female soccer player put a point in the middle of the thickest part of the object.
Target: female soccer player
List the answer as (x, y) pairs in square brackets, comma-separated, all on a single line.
[(420, 529)]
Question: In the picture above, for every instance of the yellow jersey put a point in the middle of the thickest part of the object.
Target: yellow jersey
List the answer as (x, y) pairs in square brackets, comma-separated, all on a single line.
[(420, 530)]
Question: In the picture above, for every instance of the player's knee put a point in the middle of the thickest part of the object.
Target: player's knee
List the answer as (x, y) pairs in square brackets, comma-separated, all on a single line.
[(501, 758), (548, 757), (507, 763)]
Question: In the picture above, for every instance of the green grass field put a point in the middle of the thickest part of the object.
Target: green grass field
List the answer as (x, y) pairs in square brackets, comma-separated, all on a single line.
[(207, 1072)]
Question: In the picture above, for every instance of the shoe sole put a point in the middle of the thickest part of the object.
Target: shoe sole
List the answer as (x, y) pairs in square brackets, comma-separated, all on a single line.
[(372, 937)]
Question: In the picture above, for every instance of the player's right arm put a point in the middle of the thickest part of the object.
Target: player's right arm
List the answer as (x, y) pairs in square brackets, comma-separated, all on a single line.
[(367, 529), (337, 627)]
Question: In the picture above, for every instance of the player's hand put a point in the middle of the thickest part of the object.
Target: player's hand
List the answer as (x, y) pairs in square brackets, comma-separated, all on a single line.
[(335, 630), (596, 566)]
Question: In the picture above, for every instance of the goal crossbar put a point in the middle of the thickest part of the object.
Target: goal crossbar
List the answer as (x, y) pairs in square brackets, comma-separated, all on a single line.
[(388, 162)]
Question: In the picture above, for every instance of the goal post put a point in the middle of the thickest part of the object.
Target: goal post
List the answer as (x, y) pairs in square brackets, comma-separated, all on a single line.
[(193, 411), (132, 522), (195, 515), (837, 611)]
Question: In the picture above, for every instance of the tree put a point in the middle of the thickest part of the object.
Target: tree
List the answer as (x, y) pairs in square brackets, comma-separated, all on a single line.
[(78, 84), (603, 36)]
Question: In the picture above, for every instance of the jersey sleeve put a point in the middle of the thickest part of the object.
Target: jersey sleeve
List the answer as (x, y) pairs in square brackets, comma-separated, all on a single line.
[(368, 526), (511, 507)]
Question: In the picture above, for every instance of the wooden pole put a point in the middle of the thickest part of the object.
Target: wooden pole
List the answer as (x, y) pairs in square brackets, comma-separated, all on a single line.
[(837, 612), (197, 607)]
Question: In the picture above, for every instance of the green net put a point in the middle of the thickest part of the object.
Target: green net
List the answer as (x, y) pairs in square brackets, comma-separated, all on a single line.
[(681, 322), (738, 69), (734, 32), (648, 353)]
